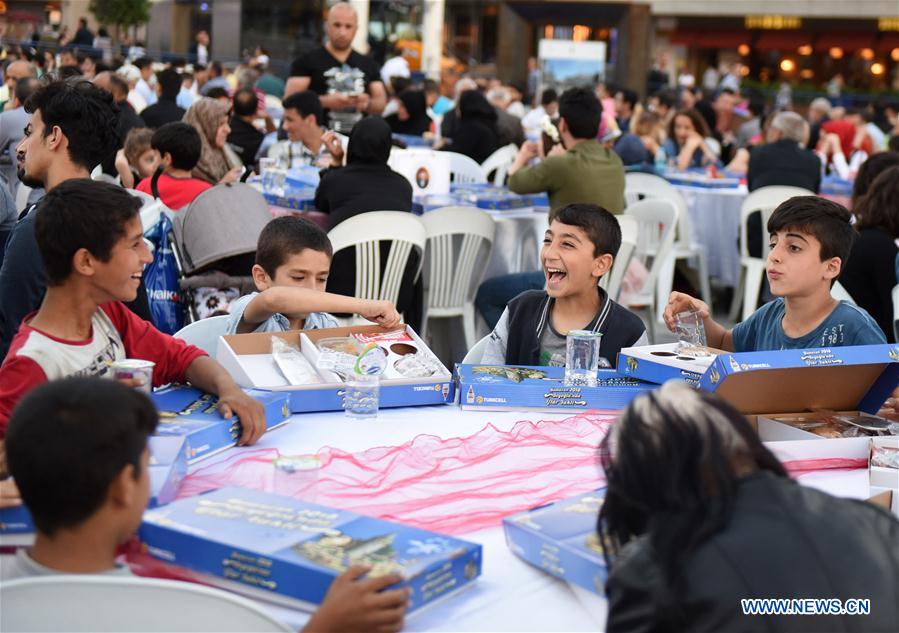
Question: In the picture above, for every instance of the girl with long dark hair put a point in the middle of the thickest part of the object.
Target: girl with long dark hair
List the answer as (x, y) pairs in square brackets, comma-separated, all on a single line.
[(699, 514)]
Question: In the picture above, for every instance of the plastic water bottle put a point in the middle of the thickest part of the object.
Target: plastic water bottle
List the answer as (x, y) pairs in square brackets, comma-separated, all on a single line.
[(661, 161)]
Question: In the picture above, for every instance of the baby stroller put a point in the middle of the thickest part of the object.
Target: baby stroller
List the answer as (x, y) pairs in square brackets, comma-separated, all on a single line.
[(214, 240)]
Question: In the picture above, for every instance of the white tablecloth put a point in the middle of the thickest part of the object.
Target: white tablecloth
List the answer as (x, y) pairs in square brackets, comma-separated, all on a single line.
[(510, 595), (715, 223)]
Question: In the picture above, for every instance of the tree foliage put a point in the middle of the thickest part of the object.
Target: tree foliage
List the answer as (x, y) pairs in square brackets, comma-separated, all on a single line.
[(121, 13)]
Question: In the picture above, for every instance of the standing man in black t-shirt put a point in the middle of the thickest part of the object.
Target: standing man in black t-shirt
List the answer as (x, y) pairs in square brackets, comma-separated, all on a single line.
[(347, 82)]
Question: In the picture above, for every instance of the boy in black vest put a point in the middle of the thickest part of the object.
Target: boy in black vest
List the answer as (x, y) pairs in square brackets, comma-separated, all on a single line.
[(578, 249)]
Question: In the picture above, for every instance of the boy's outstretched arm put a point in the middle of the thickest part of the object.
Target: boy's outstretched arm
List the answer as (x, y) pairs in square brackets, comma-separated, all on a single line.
[(715, 334), (206, 374), (354, 603), (296, 302)]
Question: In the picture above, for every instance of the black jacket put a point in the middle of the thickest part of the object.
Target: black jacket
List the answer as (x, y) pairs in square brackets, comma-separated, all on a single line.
[(870, 274), (162, 112), (529, 314), (783, 162), (784, 540)]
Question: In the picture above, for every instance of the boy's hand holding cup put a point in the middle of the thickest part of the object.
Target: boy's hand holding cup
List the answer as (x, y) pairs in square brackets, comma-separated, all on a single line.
[(679, 302)]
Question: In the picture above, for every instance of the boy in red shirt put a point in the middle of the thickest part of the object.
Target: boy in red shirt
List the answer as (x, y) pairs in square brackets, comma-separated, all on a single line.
[(91, 240), (179, 147)]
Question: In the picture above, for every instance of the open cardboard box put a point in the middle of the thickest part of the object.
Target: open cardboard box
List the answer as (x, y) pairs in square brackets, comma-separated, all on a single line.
[(664, 362), (795, 383), (248, 359)]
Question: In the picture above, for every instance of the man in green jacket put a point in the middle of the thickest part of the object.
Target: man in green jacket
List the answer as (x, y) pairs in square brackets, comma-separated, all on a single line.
[(578, 171)]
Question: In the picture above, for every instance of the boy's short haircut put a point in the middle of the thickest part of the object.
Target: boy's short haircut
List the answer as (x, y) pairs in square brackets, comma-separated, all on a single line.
[(582, 112), (601, 227), (136, 143), (286, 236), (182, 141), (824, 219), (306, 103), (548, 96), (169, 83), (81, 213), (245, 102), (217, 93), (69, 439), (85, 113)]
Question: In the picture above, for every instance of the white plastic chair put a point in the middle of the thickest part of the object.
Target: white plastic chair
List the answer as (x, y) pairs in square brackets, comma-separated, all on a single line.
[(459, 244), (657, 220), (115, 603), (499, 162), (638, 186), (205, 333), (476, 353), (465, 170), (22, 193), (611, 281), (752, 269), (364, 233)]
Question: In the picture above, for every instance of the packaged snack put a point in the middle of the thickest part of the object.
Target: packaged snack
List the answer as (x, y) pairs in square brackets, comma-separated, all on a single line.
[(382, 337), (293, 365), (345, 344), (884, 456)]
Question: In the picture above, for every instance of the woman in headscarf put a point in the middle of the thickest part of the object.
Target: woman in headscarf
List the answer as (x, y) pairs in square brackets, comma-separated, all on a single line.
[(475, 134), (412, 114), (218, 164), (366, 184)]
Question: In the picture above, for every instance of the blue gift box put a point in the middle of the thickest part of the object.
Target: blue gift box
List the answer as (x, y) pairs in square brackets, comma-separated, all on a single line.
[(560, 538), (292, 549), (189, 413), (247, 357), (303, 177), (298, 199), (661, 363), (857, 378), (519, 387), (168, 467)]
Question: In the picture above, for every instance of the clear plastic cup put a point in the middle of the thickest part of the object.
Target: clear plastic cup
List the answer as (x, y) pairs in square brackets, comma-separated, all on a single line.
[(134, 369), (690, 332), (581, 358), (362, 395)]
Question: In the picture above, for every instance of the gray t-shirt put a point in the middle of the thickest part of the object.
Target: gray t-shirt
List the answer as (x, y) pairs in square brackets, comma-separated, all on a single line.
[(21, 565)]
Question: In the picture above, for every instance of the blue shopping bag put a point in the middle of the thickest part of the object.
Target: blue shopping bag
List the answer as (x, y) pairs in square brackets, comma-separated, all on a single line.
[(161, 280)]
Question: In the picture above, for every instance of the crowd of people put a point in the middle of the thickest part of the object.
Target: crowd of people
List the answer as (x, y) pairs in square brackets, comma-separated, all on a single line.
[(694, 499)]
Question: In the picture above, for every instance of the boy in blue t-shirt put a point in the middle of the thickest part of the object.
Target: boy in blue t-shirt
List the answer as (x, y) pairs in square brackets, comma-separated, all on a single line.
[(810, 241), (293, 259)]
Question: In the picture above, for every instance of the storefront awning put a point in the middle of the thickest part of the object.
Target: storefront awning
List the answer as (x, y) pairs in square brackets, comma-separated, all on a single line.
[(785, 41), (711, 39), (887, 42), (849, 42)]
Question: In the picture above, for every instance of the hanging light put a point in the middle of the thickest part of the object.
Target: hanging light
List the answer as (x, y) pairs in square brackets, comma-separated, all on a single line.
[(805, 50), (836, 52), (877, 68), (743, 50), (787, 65), (894, 54), (866, 53)]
